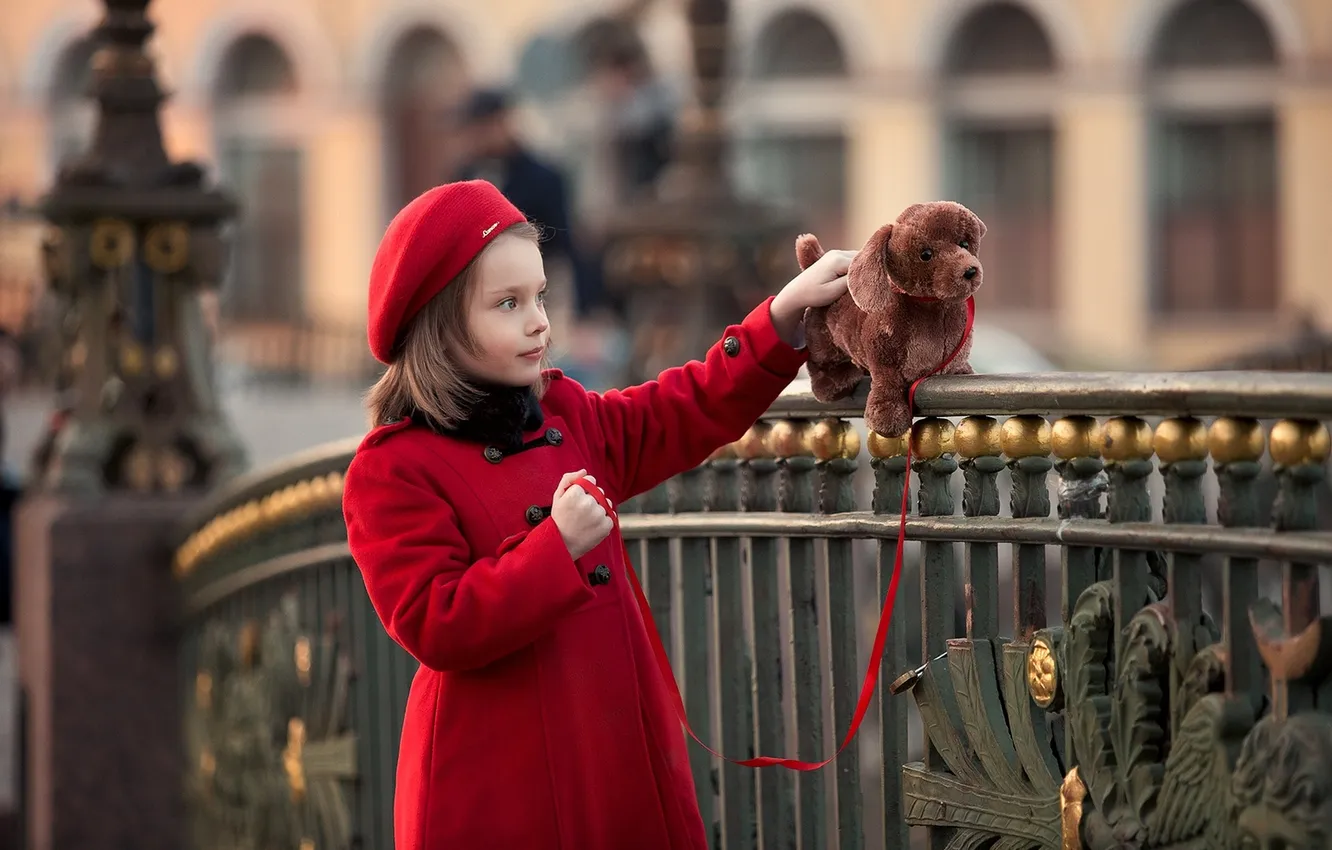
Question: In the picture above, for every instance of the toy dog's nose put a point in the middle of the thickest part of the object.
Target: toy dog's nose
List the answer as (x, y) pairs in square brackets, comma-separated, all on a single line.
[(971, 272)]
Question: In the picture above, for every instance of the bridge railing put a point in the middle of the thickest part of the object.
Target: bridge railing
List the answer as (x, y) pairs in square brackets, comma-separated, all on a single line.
[(1109, 624)]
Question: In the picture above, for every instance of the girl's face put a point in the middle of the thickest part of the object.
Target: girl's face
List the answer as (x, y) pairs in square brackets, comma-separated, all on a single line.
[(506, 314)]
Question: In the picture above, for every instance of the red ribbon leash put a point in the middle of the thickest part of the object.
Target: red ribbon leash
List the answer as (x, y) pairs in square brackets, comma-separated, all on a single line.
[(885, 616)]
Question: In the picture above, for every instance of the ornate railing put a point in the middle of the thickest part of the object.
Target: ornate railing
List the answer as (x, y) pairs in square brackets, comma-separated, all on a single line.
[(1079, 674)]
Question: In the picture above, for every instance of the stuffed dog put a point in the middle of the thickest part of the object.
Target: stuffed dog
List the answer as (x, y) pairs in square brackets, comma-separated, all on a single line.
[(904, 312)]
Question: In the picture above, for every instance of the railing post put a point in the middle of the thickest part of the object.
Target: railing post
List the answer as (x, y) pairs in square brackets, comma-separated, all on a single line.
[(1026, 443), (890, 478), (1181, 446), (789, 442), (1236, 446), (836, 444), (734, 670), (932, 444), (758, 494), (978, 444), (1127, 445), (1299, 448)]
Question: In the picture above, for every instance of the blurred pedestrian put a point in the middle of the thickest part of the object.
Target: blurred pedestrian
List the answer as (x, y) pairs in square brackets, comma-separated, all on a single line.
[(496, 153)]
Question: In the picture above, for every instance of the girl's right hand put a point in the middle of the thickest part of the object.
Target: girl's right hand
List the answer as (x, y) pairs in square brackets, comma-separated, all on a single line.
[(581, 520)]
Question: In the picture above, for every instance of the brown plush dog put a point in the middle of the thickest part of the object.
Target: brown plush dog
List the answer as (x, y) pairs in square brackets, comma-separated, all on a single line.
[(904, 312)]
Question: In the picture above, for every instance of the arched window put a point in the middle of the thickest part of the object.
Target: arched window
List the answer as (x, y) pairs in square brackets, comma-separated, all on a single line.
[(997, 95), (261, 161), (73, 112), (798, 44), (792, 142), (1214, 182), (424, 83)]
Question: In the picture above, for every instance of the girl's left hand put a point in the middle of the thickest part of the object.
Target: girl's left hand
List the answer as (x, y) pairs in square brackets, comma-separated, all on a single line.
[(817, 286)]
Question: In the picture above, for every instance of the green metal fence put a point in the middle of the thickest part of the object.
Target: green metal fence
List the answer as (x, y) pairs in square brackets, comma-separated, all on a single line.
[(1113, 638)]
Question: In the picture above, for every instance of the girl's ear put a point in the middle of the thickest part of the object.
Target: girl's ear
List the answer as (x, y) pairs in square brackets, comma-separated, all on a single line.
[(867, 279)]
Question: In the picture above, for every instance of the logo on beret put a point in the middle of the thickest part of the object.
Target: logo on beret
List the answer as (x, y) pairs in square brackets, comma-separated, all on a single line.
[(486, 232)]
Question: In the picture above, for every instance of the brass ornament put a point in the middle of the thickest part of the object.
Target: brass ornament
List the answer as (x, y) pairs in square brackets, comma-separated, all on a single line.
[(292, 758), (786, 439), (1025, 436), (829, 439), (1075, 436), (1298, 441), (978, 436), (303, 660), (173, 470), (1126, 438), (203, 691), (165, 362), (1180, 438), (111, 244), (1233, 439), (932, 438), (131, 358), (166, 247), (207, 764), (885, 447), (291, 502), (1042, 672), (138, 467), (1071, 794)]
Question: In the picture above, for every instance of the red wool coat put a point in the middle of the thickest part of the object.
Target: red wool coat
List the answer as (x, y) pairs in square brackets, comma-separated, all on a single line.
[(538, 718)]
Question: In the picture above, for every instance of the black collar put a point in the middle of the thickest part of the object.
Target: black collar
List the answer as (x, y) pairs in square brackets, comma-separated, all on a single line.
[(500, 417)]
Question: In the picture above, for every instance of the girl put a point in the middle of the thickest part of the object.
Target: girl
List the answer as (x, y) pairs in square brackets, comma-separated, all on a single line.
[(537, 718)]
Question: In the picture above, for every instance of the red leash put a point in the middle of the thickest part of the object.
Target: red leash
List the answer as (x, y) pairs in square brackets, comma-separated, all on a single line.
[(885, 616)]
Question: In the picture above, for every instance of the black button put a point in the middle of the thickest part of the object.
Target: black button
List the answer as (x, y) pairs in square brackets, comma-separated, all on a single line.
[(554, 437), (493, 454), (731, 346), (601, 575), (535, 515)]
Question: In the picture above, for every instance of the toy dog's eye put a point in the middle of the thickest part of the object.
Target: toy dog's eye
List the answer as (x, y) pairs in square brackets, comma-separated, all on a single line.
[(965, 244), (926, 254)]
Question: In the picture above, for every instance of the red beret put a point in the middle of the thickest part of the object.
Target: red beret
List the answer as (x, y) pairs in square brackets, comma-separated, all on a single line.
[(427, 244)]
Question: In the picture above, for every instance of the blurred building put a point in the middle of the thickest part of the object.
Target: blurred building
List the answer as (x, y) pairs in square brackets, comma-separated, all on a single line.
[(1156, 174)]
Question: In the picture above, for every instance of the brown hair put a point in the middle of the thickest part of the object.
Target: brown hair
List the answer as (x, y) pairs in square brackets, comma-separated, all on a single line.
[(425, 376)]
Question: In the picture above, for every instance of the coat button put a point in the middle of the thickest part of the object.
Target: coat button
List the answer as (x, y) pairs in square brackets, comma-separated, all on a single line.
[(554, 437), (601, 575), (493, 454), (535, 515), (731, 345)]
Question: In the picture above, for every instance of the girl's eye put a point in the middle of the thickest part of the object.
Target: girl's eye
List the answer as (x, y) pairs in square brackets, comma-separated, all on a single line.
[(508, 304), (541, 297), (926, 254), (965, 244)]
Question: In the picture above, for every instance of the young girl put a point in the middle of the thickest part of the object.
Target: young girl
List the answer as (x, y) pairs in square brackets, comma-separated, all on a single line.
[(538, 718)]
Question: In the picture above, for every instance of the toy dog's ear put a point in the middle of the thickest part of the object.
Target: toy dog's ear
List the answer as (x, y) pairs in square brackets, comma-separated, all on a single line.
[(808, 250), (867, 279)]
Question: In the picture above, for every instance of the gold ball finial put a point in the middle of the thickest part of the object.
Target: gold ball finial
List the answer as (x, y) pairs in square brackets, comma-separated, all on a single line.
[(978, 436), (1298, 441), (1180, 438), (786, 439), (753, 445), (932, 438), (885, 447), (1126, 438), (1233, 439), (1042, 672), (1075, 436), (829, 439), (1025, 436)]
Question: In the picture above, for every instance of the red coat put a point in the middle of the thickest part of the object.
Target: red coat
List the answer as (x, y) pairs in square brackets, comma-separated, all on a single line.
[(538, 718)]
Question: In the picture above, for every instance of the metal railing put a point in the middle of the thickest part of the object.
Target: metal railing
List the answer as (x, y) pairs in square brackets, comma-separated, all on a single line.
[(1113, 635)]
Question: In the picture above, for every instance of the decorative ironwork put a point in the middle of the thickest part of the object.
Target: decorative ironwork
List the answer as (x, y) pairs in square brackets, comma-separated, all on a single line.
[(267, 735), (1135, 721), (134, 239)]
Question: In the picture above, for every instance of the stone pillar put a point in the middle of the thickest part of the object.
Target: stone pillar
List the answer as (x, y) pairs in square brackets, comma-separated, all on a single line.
[(134, 239), (1101, 269)]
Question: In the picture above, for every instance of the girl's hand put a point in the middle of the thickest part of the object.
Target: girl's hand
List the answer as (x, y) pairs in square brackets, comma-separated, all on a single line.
[(817, 286), (581, 521)]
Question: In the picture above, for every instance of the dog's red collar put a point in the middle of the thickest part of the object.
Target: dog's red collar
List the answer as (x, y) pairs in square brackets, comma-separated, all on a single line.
[(906, 294)]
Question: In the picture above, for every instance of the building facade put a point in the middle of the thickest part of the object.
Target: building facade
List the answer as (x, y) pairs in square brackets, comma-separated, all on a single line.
[(1156, 174)]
